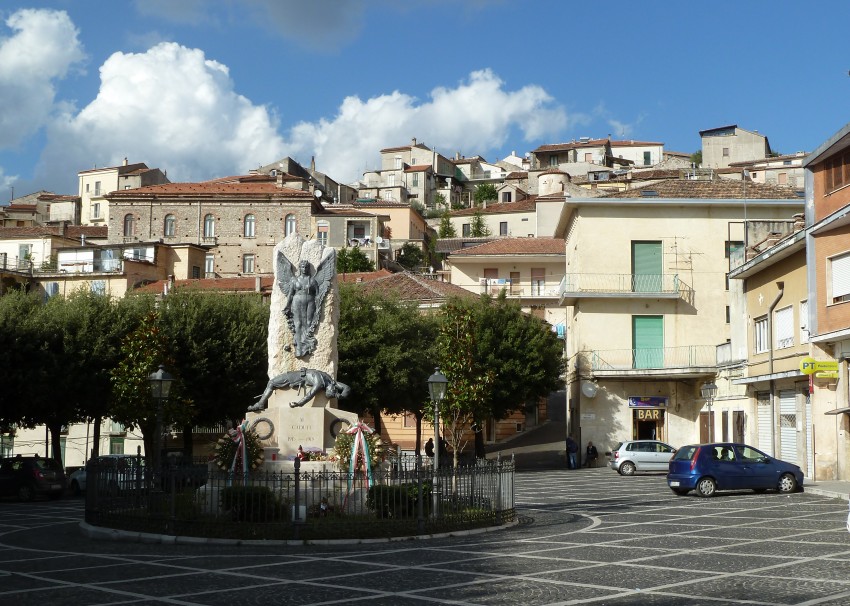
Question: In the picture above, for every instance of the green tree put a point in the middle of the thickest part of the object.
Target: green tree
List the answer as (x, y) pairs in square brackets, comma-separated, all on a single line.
[(439, 200), (696, 158), (386, 352), (411, 256), (447, 228), (478, 227), (485, 193), (218, 344), (352, 260), (18, 351), (470, 382)]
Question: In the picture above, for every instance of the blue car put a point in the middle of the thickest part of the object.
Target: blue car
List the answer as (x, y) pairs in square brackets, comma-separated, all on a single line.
[(707, 468)]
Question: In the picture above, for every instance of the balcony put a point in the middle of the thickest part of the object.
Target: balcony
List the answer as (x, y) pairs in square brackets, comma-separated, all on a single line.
[(618, 286), (689, 361), (528, 289)]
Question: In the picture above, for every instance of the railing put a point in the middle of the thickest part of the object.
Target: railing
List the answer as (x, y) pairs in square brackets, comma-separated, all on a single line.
[(518, 288), (649, 358), (621, 283), (16, 264), (406, 497)]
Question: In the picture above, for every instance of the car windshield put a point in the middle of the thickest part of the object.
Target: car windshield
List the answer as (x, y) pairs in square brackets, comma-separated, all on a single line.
[(48, 464)]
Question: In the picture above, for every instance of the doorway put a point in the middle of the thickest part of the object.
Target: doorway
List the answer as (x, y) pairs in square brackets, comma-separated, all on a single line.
[(648, 424)]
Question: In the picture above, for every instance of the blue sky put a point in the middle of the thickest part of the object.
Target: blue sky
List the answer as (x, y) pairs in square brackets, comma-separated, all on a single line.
[(204, 88)]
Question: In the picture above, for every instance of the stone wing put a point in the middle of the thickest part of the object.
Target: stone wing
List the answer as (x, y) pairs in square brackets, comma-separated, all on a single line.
[(325, 273), (285, 272)]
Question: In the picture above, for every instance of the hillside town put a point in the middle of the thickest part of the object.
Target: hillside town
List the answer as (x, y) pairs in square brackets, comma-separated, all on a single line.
[(698, 297)]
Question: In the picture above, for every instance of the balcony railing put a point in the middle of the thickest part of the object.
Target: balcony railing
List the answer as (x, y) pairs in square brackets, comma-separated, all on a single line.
[(659, 358), (589, 285), (518, 288)]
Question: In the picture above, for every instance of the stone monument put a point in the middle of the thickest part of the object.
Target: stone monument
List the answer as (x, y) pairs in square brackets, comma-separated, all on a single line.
[(301, 396)]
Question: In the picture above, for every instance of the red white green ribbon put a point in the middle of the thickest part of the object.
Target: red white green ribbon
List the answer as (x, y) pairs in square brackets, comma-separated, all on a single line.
[(238, 436), (359, 445)]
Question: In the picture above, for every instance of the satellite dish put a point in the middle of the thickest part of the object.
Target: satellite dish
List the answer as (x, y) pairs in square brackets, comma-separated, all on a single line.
[(318, 193), (379, 240), (589, 388)]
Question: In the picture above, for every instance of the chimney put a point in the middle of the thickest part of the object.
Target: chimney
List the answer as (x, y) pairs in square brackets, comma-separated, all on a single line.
[(257, 285), (279, 179), (413, 142), (313, 162), (125, 161)]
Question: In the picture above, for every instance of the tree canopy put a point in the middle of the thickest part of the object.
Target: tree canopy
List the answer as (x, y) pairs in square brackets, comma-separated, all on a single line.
[(484, 193), (447, 228), (352, 260)]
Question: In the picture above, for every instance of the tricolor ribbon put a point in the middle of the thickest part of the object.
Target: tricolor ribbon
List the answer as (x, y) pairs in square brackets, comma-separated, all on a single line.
[(359, 445), (238, 436)]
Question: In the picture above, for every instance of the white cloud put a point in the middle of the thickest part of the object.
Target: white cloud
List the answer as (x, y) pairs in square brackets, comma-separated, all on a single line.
[(171, 108), (43, 47), (475, 117)]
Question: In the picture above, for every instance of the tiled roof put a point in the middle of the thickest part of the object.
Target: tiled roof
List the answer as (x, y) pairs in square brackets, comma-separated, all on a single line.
[(242, 284), (244, 185), (517, 246), (22, 207), (48, 197), (718, 188), (346, 211), (122, 170), (633, 143), (381, 204), (89, 231), (571, 145), (527, 205), (678, 154), (36, 231), (413, 287), (363, 276), (553, 171), (417, 168), (447, 245), (517, 175)]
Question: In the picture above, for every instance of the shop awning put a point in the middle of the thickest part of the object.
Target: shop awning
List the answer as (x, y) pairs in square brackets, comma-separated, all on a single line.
[(838, 411)]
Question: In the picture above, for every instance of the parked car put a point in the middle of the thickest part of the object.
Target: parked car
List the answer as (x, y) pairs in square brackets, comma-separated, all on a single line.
[(29, 476), (640, 455), (118, 473), (707, 468)]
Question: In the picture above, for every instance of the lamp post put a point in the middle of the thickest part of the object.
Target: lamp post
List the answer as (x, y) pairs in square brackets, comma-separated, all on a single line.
[(160, 382), (708, 390), (437, 384)]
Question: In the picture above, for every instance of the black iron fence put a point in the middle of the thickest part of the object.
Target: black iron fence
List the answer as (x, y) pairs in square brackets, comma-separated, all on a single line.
[(309, 501)]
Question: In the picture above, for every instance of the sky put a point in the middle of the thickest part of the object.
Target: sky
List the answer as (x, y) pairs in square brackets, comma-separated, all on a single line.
[(209, 88)]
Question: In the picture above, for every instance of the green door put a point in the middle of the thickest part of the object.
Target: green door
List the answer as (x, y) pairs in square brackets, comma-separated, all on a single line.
[(648, 341), (646, 266)]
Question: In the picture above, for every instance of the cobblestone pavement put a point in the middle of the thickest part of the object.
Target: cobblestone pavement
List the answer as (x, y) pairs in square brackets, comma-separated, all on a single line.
[(584, 537)]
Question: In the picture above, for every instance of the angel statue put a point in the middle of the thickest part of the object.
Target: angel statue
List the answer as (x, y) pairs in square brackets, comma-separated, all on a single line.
[(305, 295)]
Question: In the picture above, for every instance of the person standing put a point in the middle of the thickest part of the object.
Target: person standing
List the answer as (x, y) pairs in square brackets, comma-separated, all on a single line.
[(572, 453), (590, 455)]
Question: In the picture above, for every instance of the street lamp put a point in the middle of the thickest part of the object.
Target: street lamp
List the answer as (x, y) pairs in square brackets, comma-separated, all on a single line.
[(160, 382), (437, 384), (708, 390)]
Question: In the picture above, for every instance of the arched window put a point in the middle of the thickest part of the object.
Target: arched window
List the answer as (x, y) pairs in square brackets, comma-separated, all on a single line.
[(129, 226), (249, 226), (170, 225), (289, 228), (209, 226)]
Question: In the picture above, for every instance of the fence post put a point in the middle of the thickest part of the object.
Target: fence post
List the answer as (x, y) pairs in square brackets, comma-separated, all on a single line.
[(420, 514), (296, 510)]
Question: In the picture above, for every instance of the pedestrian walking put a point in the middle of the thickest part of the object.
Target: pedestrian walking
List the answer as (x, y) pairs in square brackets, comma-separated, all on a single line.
[(590, 455), (572, 453)]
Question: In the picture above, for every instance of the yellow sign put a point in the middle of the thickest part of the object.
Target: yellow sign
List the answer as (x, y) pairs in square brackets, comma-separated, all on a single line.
[(826, 374), (810, 366), (649, 414)]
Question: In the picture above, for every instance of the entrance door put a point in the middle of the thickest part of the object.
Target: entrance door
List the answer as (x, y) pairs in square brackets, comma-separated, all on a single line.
[(765, 422), (704, 423), (648, 424), (788, 426), (648, 341), (646, 266)]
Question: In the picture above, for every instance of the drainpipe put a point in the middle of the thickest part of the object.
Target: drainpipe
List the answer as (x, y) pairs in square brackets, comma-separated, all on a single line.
[(781, 287)]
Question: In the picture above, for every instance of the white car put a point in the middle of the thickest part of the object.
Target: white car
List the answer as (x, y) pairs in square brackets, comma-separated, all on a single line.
[(119, 472), (640, 455)]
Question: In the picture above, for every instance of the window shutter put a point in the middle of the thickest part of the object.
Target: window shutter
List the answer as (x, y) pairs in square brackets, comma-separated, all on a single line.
[(784, 327), (840, 276)]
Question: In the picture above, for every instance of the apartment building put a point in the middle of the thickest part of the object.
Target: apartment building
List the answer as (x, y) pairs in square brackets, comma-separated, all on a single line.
[(724, 145), (96, 183)]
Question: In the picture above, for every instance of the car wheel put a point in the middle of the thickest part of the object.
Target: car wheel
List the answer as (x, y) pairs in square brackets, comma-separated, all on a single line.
[(787, 483), (627, 469), (75, 488), (706, 487), (25, 493), (681, 491)]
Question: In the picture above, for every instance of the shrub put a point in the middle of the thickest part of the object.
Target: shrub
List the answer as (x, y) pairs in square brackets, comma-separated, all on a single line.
[(251, 504), (399, 501)]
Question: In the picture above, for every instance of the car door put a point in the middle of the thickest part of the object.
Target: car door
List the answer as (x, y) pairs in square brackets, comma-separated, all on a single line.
[(728, 470), (756, 469), (661, 456)]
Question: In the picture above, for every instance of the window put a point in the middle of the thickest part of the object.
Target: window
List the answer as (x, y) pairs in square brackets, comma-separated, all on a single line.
[(209, 226), (95, 210), (503, 228), (87, 187), (322, 229), (209, 266), (553, 160), (249, 226), (116, 445), (196, 272), (170, 226), (97, 188), (415, 180), (647, 341), (839, 273), (129, 226), (760, 335), (397, 163), (515, 283), (98, 287), (289, 225), (127, 187), (647, 158), (783, 178), (465, 230), (391, 180), (506, 196), (804, 321), (837, 172), (588, 157), (409, 420), (784, 319), (731, 246), (725, 152), (248, 264), (754, 175), (538, 280), (728, 314)]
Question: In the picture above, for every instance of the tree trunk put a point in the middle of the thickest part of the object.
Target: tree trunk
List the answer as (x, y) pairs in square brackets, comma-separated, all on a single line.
[(480, 451), (95, 448), (418, 433), (55, 442)]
